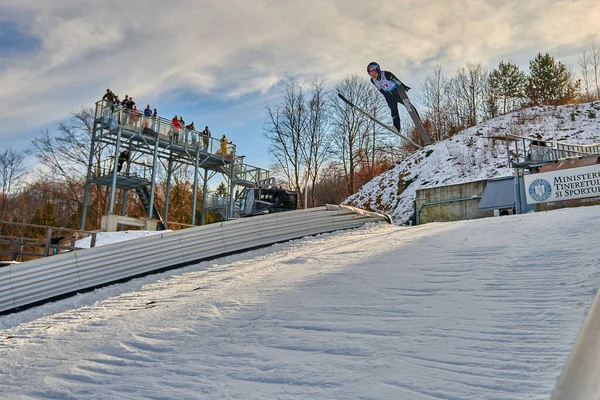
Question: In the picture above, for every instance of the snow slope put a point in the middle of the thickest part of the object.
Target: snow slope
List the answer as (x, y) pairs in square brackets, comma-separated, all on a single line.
[(480, 309), (473, 154)]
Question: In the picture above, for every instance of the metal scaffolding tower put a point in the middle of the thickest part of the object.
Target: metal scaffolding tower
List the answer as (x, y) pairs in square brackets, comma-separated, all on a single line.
[(154, 144)]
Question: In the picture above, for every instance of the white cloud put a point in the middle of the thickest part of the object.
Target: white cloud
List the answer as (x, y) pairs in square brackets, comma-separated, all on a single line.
[(231, 48)]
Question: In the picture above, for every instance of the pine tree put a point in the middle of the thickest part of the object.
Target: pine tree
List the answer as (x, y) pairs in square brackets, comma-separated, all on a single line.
[(222, 190), (507, 86), (550, 82)]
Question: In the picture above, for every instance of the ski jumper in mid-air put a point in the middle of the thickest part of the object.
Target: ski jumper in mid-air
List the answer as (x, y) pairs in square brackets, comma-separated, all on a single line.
[(387, 83), (394, 92)]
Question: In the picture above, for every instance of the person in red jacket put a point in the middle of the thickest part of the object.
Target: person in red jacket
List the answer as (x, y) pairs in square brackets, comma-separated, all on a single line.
[(176, 129)]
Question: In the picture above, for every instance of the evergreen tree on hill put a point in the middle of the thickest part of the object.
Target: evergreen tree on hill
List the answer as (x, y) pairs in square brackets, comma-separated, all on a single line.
[(550, 83), (508, 85)]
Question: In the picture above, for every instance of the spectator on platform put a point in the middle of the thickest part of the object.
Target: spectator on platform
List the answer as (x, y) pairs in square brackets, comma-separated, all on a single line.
[(123, 158), (183, 130), (154, 119), (223, 148), (190, 129), (539, 141), (176, 128), (109, 96), (110, 99), (114, 117), (537, 151), (147, 116), (206, 137), (125, 105), (135, 115)]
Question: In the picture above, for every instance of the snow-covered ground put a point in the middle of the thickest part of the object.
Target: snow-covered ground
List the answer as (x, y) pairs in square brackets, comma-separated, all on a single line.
[(475, 153), (482, 309), (105, 238)]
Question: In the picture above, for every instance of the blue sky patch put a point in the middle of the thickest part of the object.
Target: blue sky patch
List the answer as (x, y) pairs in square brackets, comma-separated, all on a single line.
[(14, 41)]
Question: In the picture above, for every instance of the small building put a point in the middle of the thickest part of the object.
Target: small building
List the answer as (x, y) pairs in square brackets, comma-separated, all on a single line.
[(477, 199), (499, 196)]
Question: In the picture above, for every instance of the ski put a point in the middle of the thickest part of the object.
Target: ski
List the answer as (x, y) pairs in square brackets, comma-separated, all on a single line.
[(412, 111), (372, 118)]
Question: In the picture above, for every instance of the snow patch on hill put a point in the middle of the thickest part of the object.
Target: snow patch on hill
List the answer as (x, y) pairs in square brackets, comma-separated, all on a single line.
[(479, 152)]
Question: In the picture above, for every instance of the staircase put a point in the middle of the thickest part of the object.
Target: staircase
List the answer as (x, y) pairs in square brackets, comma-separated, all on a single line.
[(144, 195), (217, 204)]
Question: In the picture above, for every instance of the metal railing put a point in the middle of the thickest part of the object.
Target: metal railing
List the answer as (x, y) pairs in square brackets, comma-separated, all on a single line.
[(137, 169), (249, 173), (112, 116), (526, 152)]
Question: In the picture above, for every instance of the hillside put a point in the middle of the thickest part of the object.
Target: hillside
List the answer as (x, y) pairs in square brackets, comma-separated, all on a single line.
[(475, 153)]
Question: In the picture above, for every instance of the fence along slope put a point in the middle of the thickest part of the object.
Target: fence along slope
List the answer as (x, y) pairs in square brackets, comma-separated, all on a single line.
[(38, 281)]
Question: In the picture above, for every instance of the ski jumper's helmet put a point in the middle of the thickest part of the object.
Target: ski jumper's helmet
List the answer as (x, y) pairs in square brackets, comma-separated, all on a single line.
[(373, 66)]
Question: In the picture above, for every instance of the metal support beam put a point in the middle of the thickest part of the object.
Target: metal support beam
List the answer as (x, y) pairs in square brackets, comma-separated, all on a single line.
[(88, 179), (229, 211), (195, 196), (153, 182), (168, 193), (113, 189), (204, 195)]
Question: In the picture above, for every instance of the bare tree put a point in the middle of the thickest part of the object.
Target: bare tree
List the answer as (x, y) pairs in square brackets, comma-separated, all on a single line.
[(65, 153), (586, 69), (331, 187), (471, 86), (457, 106), (595, 64), (317, 140), (589, 67), (435, 98), (64, 157), (376, 143), (11, 171), (350, 128), (285, 129)]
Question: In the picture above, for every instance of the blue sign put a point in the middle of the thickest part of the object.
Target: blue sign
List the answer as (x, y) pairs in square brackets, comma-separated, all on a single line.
[(540, 190)]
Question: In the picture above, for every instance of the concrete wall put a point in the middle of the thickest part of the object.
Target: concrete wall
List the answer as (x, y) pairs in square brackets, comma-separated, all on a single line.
[(456, 211)]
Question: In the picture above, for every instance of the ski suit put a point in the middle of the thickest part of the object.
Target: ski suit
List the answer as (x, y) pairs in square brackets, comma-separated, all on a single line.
[(387, 83)]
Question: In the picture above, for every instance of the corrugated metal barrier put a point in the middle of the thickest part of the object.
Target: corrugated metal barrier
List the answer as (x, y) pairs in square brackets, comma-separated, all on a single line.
[(37, 281), (580, 378)]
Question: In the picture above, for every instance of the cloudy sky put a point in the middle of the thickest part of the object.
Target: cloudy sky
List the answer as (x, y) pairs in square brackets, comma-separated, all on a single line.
[(219, 63)]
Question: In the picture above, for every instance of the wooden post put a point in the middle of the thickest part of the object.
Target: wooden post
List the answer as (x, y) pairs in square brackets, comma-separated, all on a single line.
[(93, 241), (47, 245), (15, 251)]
